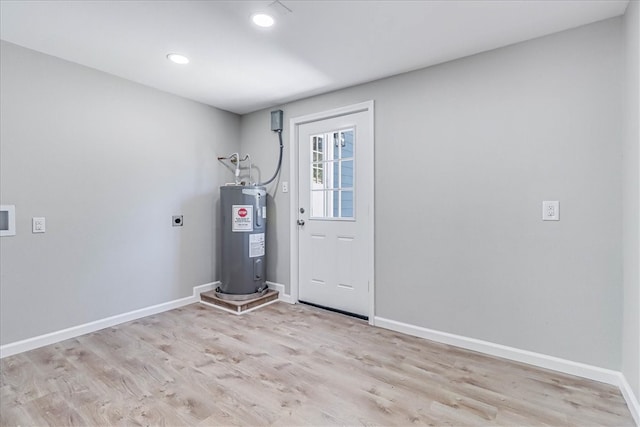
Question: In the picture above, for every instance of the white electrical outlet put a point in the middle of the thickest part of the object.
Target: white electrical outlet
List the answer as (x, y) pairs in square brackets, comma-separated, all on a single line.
[(7, 220), (285, 187), (551, 210), (39, 225)]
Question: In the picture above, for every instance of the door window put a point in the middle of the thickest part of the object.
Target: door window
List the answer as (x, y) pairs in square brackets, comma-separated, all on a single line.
[(332, 175)]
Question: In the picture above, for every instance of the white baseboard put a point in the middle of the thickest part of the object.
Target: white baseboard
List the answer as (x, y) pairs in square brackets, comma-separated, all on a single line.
[(537, 359), (65, 334), (281, 295), (197, 290), (632, 400), (583, 370)]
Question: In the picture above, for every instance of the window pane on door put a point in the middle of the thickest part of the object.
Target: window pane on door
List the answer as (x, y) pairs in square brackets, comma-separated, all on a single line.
[(317, 153), (342, 204), (347, 144), (340, 144), (332, 175), (346, 204), (335, 147), (317, 176), (346, 174), (324, 203), (318, 204)]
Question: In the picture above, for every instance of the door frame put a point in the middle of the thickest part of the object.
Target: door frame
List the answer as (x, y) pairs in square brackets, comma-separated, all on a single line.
[(294, 124)]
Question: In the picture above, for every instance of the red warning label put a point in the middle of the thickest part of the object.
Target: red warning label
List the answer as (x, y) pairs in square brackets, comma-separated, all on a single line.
[(242, 218)]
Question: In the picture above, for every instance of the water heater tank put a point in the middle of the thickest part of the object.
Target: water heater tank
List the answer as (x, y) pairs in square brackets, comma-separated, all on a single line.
[(244, 226)]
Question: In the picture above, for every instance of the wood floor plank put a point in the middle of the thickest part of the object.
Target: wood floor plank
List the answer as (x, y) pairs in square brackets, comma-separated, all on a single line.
[(285, 365), (53, 410), (20, 381)]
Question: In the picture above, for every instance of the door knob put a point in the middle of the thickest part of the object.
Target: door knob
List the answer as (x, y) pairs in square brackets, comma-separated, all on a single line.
[(301, 222)]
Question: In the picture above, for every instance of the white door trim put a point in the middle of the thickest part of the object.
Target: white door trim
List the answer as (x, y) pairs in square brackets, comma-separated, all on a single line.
[(294, 124)]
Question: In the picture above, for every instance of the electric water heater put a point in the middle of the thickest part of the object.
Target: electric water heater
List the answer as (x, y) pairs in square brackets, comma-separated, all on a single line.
[(244, 226)]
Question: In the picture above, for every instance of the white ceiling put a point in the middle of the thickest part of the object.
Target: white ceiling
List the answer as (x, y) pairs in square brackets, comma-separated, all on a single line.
[(321, 46)]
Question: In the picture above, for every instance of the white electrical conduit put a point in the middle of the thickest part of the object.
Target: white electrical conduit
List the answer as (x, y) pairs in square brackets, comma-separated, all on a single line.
[(279, 161)]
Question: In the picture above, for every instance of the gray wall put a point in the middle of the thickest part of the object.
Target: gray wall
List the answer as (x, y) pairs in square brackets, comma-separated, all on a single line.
[(107, 162), (631, 211), (475, 146), (487, 138)]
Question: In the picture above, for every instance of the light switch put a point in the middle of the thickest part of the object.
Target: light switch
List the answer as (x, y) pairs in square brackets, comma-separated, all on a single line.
[(285, 187), (551, 210), (38, 225)]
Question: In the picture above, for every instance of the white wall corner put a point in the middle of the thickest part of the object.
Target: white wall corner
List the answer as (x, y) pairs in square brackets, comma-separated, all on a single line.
[(629, 396), (583, 370), (281, 295), (197, 290), (75, 331)]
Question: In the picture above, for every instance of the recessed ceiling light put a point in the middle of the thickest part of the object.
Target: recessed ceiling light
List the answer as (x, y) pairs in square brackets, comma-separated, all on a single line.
[(262, 20), (177, 58)]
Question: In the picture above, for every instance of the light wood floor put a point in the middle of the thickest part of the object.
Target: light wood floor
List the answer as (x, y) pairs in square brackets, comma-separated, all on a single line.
[(285, 365)]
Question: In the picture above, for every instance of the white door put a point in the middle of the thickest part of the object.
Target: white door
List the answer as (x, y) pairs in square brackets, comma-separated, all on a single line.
[(335, 198)]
